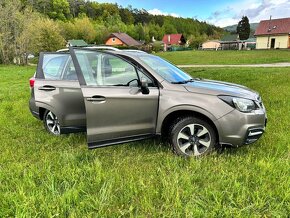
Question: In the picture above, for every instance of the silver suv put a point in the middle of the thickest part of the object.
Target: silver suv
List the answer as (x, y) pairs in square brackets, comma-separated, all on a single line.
[(123, 96)]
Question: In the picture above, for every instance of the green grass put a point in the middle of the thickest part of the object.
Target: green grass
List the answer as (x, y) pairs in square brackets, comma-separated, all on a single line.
[(44, 176), (227, 57)]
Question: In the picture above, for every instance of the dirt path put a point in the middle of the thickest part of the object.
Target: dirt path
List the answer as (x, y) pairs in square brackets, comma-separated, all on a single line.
[(239, 65)]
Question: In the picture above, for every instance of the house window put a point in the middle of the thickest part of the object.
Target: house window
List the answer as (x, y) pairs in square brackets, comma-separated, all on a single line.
[(113, 39)]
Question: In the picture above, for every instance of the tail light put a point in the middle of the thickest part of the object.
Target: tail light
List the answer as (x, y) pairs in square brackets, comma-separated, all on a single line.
[(31, 82)]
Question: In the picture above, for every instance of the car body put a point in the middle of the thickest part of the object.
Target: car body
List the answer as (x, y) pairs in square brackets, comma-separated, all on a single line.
[(121, 96)]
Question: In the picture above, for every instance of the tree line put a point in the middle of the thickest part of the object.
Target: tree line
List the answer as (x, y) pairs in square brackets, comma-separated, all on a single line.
[(31, 26)]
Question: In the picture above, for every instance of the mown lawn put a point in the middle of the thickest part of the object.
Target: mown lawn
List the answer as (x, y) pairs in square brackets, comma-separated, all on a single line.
[(46, 176), (227, 57)]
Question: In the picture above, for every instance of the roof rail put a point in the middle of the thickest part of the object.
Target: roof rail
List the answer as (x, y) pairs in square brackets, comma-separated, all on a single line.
[(133, 50), (103, 48), (108, 48), (63, 50)]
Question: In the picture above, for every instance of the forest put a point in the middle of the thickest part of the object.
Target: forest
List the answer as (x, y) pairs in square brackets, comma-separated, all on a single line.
[(31, 26)]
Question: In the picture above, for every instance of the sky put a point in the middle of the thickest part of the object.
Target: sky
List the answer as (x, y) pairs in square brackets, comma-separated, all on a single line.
[(220, 13)]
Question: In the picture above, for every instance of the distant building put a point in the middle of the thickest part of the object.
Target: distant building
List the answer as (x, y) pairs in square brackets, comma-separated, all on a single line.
[(76, 42), (232, 42), (211, 45), (273, 34), (174, 39), (121, 39)]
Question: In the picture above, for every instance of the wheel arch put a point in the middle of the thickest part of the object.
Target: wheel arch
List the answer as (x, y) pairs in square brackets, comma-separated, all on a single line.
[(170, 117), (42, 112), (44, 107)]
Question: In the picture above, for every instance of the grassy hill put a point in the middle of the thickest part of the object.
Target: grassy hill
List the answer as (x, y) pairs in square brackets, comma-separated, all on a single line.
[(233, 28)]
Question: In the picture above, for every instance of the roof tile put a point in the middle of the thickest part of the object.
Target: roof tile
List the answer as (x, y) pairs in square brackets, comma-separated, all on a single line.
[(273, 27), (174, 39)]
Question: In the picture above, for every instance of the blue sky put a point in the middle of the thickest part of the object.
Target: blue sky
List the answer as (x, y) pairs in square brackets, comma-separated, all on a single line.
[(221, 13)]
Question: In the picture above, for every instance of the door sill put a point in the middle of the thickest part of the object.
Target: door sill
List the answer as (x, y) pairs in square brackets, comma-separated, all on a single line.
[(72, 129), (116, 141)]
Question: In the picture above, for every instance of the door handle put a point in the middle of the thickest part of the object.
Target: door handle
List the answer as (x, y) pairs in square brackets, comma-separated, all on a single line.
[(96, 98), (47, 88)]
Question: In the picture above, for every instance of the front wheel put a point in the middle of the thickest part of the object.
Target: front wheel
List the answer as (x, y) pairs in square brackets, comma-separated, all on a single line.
[(51, 123), (192, 136)]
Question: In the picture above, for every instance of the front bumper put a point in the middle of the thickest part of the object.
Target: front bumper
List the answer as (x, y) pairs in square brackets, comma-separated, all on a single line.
[(237, 128)]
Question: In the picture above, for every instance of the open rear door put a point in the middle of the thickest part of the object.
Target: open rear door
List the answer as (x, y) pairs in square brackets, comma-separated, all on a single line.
[(116, 109), (56, 88)]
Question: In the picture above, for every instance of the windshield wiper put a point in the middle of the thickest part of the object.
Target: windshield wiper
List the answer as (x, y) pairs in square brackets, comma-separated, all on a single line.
[(183, 82)]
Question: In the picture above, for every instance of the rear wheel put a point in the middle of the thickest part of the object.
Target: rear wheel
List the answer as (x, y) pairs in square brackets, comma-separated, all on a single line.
[(51, 123), (192, 136)]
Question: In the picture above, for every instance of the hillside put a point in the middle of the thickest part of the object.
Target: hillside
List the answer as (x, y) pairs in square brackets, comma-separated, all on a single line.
[(233, 28)]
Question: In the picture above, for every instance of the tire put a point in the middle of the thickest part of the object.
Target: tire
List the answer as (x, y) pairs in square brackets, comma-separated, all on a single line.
[(51, 123), (191, 136)]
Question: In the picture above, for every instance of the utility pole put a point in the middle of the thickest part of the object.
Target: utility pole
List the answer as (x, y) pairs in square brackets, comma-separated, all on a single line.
[(269, 31)]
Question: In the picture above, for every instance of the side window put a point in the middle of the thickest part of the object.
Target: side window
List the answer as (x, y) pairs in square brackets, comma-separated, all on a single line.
[(143, 75), (70, 72), (53, 65), (118, 72), (106, 70)]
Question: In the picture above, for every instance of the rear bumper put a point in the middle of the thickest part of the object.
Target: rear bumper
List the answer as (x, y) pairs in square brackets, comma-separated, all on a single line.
[(34, 109), (237, 128)]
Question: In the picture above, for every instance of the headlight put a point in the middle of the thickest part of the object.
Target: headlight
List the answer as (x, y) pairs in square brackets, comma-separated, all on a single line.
[(242, 104)]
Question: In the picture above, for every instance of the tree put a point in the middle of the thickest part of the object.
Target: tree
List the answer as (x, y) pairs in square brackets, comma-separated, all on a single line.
[(68, 30), (85, 29), (169, 28), (196, 41), (243, 28), (60, 10), (13, 46), (126, 16), (44, 35)]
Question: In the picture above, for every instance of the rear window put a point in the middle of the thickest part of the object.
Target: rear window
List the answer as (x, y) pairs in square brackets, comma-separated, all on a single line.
[(53, 65)]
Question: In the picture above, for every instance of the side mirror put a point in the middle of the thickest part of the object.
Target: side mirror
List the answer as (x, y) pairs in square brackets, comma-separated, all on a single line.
[(144, 86)]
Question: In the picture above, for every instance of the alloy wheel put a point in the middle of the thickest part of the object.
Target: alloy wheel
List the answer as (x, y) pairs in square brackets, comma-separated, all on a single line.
[(52, 123), (194, 139)]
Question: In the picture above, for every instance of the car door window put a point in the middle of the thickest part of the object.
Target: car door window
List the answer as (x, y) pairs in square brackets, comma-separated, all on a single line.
[(53, 65), (103, 69), (70, 72), (150, 80)]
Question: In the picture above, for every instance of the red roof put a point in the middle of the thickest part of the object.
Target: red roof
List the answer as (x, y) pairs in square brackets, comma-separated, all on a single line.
[(173, 39), (273, 27)]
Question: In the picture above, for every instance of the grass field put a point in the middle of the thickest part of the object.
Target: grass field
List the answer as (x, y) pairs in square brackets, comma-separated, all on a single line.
[(46, 176), (227, 57)]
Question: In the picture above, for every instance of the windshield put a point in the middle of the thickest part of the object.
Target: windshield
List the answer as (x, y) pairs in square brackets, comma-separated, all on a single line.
[(166, 70)]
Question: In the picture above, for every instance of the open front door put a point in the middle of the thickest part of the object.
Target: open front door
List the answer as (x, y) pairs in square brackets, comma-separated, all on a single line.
[(116, 109)]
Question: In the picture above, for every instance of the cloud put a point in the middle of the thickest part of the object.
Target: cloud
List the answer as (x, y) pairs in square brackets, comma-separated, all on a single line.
[(156, 11), (255, 10)]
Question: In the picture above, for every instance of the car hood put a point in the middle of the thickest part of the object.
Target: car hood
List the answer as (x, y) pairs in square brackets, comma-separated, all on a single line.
[(213, 87)]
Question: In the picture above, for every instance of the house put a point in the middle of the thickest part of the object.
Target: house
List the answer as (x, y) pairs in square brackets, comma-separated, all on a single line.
[(232, 42), (121, 39), (211, 45), (174, 39), (76, 43), (273, 33)]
